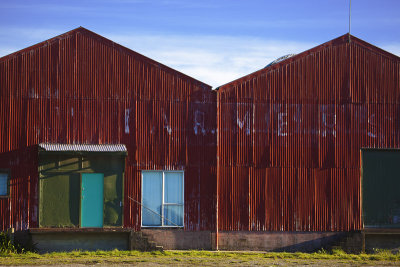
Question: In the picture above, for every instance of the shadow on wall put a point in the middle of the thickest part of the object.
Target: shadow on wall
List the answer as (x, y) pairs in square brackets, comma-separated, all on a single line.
[(314, 244), (60, 186), (280, 241), (21, 204)]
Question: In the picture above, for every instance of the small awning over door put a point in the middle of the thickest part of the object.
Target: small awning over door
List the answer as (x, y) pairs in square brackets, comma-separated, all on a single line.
[(83, 147), (81, 185)]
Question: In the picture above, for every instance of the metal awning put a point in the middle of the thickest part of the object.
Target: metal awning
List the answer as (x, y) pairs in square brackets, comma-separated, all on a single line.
[(83, 147)]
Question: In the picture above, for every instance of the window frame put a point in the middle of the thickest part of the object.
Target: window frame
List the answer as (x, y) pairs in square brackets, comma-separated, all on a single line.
[(6, 171), (163, 204)]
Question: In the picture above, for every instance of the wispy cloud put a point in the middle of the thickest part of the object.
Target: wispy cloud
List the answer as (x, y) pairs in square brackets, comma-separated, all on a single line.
[(39, 7), (174, 3), (5, 50), (116, 9), (216, 60), (30, 33), (16, 38), (213, 59), (393, 48)]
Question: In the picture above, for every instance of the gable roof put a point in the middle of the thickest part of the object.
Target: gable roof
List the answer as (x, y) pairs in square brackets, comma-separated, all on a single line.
[(346, 38), (108, 42)]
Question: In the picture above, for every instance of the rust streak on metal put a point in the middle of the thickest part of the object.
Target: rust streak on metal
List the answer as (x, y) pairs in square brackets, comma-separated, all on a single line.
[(80, 88), (290, 134)]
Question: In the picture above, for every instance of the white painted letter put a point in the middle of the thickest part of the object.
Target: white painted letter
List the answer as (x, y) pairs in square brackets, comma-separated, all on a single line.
[(127, 121), (199, 122), (328, 120), (282, 124), (371, 131), (245, 121)]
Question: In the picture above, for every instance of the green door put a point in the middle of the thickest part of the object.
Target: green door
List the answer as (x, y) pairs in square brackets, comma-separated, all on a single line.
[(380, 188), (92, 200)]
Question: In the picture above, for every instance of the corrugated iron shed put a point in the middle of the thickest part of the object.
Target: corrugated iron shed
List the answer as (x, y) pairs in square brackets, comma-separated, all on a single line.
[(81, 88), (289, 137)]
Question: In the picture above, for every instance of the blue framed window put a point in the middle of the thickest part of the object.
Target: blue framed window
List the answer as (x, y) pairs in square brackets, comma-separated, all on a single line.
[(162, 198)]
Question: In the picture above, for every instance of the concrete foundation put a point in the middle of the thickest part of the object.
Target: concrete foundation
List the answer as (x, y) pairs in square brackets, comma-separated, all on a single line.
[(277, 241), (381, 239), (180, 239), (256, 241), (52, 240)]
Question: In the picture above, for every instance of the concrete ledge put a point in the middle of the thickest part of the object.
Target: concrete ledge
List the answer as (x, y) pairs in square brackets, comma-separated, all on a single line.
[(382, 231), (254, 240), (179, 239), (385, 238), (278, 241), (68, 239), (64, 240)]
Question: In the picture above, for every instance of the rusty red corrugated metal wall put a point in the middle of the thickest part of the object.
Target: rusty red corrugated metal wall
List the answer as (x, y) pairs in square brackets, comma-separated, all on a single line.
[(82, 88), (289, 137)]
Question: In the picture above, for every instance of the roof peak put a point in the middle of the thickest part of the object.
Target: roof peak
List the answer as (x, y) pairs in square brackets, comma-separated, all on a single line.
[(105, 41), (342, 39)]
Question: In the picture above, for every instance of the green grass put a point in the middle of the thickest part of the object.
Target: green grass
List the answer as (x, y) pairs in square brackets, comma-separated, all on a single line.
[(7, 246), (194, 257)]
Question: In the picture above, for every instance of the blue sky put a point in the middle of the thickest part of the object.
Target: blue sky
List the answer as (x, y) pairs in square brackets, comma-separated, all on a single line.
[(213, 41)]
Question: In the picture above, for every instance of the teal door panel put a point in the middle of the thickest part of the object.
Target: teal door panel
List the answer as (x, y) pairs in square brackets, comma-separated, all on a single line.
[(92, 200)]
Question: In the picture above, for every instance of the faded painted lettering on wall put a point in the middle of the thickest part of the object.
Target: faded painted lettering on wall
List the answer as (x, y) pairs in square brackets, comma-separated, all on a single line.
[(281, 149)]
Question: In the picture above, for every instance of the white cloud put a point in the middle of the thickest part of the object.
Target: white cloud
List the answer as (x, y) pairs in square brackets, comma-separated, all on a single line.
[(40, 34), (15, 38), (215, 60), (5, 50), (392, 48)]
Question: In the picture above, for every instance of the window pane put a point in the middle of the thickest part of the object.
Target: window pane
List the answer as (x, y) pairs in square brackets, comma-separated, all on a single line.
[(152, 198), (173, 187), (173, 213), (3, 184)]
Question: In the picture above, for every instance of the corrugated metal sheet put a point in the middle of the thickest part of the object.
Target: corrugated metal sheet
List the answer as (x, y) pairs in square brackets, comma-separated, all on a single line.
[(84, 147), (289, 137), (80, 88)]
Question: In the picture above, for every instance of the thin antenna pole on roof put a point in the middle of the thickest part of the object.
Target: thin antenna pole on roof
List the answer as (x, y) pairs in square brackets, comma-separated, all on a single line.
[(349, 19)]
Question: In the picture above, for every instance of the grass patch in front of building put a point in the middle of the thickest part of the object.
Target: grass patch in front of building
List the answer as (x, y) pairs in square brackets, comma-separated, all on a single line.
[(194, 257)]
